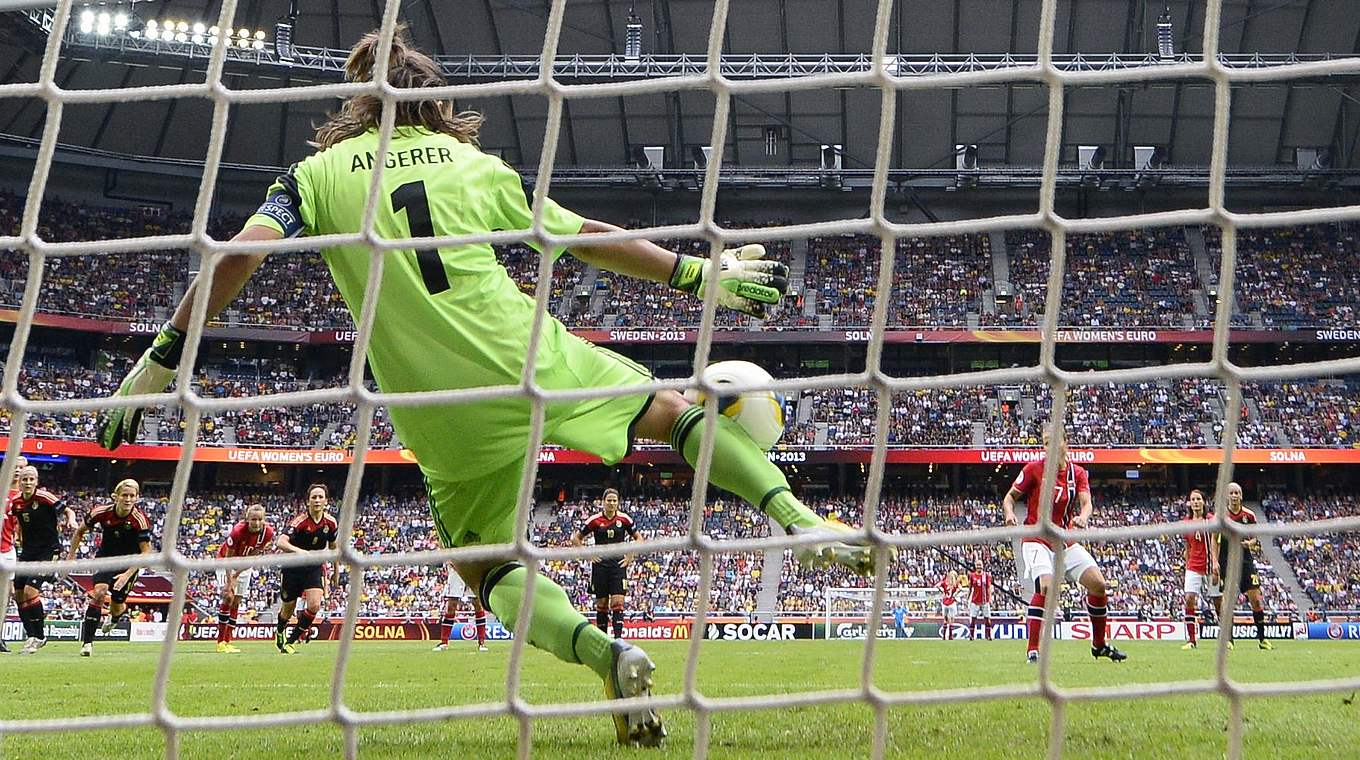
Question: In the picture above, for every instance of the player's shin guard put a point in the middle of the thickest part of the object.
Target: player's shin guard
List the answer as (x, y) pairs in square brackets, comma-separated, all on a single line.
[(617, 611), (987, 626), (87, 626), (1095, 607), (223, 623), (741, 467), (555, 626), (1259, 618), (481, 627), (1034, 621), (1191, 624), (602, 616), (446, 629), (304, 624)]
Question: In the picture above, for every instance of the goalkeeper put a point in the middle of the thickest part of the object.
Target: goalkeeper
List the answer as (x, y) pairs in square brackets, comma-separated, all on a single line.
[(452, 318)]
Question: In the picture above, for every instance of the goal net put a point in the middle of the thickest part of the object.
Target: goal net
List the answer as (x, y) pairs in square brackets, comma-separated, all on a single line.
[(881, 74), (849, 611)]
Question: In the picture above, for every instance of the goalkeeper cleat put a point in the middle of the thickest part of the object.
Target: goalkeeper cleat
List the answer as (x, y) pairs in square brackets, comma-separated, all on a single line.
[(280, 638), (630, 676), (1032, 656), (225, 648), (1266, 645), (287, 649), (442, 646), (1231, 646), (840, 549), (1108, 651), (1187, 646), (86, 649)]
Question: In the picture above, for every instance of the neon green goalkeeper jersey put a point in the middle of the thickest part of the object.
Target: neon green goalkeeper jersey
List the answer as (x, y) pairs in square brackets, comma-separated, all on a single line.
[(447, 318)]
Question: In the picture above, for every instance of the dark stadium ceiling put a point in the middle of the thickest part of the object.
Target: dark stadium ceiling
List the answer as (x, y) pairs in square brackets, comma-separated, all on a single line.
[(1007, 122)]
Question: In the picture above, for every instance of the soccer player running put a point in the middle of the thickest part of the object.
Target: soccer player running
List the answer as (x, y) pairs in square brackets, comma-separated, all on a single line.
[(456, 596), (1072, 508), (311, 531), (608, 574), (949, 603), (452, 318), (1248, 580), (979, 600), (126, 531), (9, 526), (1200, 564), (252, 535), (42, 517)]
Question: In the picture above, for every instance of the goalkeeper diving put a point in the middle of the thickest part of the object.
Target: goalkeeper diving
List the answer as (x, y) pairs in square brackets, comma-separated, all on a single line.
[(452, 318)]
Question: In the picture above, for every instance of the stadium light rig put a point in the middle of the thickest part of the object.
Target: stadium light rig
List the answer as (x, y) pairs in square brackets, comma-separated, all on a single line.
[(118, 21), (1166, 47)]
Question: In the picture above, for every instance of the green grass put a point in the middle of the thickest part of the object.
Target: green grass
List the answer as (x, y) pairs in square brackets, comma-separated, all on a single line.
[(393, 676)]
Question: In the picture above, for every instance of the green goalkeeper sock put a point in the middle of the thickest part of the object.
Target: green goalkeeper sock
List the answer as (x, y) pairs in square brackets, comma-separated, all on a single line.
[(741, 467), (556, 626)]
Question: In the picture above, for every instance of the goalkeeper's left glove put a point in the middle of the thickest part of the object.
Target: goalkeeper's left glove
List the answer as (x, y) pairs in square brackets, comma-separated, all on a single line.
[(152, 373), (746, 283)]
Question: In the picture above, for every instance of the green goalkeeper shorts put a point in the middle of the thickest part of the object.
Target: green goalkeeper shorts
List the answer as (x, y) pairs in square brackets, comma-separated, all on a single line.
[(481, 510)]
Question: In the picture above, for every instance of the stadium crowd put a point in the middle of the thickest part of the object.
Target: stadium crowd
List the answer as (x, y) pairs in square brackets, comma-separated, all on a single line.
[(1287, 277)]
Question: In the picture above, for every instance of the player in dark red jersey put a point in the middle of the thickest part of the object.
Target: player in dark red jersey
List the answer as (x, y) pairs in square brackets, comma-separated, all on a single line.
[(1200, 565), (43, 516), (126, 531), (979, 600), (949, 603), (9, 524), (1071, 509), (1248, 580), (249, 537), (310, 531), (608, 574)]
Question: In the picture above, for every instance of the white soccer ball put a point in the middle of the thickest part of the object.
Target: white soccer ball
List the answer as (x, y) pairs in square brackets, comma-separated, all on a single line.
[(760, 413)]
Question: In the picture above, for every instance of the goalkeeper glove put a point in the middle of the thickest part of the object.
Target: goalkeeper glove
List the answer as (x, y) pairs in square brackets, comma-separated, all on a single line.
[(151, 374), (746, 283)]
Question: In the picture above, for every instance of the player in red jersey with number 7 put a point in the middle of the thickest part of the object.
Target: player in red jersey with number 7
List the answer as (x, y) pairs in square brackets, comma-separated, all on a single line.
[(1072, 508)]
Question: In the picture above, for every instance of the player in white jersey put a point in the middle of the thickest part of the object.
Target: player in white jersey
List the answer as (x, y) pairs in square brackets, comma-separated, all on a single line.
[(456, 595)]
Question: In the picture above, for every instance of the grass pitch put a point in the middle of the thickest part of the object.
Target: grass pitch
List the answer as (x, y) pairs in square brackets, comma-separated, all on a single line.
[(395, 676)]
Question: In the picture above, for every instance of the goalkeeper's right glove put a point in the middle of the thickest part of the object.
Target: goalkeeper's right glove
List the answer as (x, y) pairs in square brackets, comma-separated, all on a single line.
[(746, 283), (152, 373)]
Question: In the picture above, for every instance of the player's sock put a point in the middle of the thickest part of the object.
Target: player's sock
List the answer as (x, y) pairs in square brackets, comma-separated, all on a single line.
[(1259, 618), (446, 628), (304, 624), (481, 627), (618, 621), (31, 613), (741, 467), (223, 623), (602, 618), (987, 623), (556, 626), (1034, 621), (87, 626), (1095, 607), (1191, 624), (231, 621)]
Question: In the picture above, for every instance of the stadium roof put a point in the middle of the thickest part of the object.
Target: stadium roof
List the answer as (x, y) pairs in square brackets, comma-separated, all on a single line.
[(1007, 122)]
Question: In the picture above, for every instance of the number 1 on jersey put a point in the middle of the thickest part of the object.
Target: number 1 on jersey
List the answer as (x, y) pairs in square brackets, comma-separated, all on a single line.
[(411, 197)]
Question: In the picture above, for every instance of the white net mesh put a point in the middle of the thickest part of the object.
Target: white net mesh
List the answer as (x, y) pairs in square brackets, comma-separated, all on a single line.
[(689, 697)]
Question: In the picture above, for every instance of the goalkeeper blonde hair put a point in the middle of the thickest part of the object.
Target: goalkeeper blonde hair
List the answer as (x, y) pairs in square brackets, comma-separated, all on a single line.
[(407, 68)]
